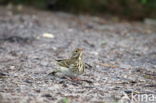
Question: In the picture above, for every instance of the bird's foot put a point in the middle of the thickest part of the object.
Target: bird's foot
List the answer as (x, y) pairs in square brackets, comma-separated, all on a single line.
[(72, 78), (75, 79)]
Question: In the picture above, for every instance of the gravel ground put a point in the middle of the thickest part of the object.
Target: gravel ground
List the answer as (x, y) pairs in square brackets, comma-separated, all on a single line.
[(122, 55)]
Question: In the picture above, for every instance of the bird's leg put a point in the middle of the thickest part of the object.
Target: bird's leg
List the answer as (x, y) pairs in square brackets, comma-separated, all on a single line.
[(75, 78), (65, 77), (71, 78)]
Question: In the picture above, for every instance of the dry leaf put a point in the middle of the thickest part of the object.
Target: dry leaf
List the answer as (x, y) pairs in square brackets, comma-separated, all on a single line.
[(48, 35)]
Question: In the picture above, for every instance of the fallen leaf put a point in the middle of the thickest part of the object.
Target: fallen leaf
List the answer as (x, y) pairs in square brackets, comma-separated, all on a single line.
[(48, 35)]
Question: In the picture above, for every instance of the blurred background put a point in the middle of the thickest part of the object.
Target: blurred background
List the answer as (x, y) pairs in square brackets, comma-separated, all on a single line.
[(126, 9)]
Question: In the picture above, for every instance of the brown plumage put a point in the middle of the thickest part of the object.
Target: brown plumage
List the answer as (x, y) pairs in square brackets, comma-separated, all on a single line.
[(74, 65)]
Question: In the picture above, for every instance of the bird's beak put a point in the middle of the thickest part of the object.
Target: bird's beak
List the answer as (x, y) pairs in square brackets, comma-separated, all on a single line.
[(81, 49)]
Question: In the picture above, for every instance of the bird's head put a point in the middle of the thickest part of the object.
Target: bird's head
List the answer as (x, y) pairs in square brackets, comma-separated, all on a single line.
[(77, 53)]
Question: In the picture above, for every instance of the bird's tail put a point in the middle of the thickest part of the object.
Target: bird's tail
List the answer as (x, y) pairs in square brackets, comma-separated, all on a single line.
[(58, 60), (54, 72)]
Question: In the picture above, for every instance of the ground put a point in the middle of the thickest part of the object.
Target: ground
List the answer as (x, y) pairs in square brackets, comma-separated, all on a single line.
[(122, 55)]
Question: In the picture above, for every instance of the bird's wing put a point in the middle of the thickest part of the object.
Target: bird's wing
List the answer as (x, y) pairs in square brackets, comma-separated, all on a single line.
[(64, 63)]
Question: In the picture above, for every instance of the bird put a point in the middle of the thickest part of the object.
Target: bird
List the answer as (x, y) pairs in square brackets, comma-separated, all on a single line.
[(73, 66)]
